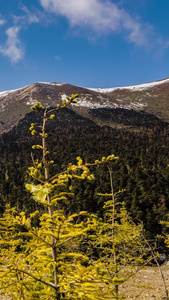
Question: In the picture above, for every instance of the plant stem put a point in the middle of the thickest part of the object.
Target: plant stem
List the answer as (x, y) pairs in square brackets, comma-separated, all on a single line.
[(47, 178), (116, 288)]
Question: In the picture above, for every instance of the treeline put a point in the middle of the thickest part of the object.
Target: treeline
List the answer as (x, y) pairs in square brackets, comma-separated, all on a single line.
[(142, 170)]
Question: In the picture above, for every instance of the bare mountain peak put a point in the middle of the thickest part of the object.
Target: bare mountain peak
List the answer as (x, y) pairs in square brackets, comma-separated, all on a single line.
[(150, 97), (139, 87)]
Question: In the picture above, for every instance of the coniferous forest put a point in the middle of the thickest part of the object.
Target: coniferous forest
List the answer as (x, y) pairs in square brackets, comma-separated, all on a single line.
[(81, 219), (142, 170)]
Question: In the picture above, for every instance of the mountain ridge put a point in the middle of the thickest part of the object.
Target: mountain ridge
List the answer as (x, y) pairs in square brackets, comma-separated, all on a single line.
[(150, 97), (103, 90), (131, 87)]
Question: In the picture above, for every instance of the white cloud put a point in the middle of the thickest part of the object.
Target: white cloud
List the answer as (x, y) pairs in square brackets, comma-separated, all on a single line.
[(2, 21), (12, 49), (102, 16)]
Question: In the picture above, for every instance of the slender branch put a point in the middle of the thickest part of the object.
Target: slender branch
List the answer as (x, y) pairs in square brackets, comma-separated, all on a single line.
[(58, 108), (158, 265), (37, 279), (113, 225), (50, 211), (33, 160), (34, 164), (65, 172), (57, 175), (40, 238), (69, 239), (7, 286), (141, 267)]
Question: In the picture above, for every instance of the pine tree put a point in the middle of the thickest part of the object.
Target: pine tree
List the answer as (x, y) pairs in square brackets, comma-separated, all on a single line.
[(121, 246)]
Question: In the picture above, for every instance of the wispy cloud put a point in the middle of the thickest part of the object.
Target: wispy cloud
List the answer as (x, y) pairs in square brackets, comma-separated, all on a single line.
[(12, 49), (31, 17), (57, 57), (2, 21), (28, 17), (101, 16)]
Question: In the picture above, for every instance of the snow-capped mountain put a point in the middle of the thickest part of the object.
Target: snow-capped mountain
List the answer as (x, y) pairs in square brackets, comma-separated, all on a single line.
[(139, 87), (150, 97)]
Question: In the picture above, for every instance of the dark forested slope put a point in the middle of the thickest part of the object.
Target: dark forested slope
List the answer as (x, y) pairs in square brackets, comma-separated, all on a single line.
[(142, 170)]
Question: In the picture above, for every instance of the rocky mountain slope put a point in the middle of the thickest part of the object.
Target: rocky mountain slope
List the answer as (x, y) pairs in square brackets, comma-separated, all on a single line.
[(151, 98)]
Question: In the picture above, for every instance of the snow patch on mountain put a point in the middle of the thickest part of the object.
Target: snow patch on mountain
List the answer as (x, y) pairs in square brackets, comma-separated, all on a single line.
[(31, 101), (6, 93), (89, 104), (52, 83), (86, 102), (139, 87)]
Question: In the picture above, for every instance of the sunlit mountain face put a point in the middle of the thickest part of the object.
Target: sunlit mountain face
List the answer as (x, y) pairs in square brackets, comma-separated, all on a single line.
[(152, 98)]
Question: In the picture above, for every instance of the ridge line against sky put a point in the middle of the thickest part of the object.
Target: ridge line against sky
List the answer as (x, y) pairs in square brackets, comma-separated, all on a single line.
[(100, 43)]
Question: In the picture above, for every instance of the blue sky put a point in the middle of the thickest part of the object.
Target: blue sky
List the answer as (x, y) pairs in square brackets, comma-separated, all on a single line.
[(90, 43)]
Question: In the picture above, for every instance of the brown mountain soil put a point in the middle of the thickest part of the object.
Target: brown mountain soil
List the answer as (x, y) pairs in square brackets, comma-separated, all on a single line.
[(146, 284)]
